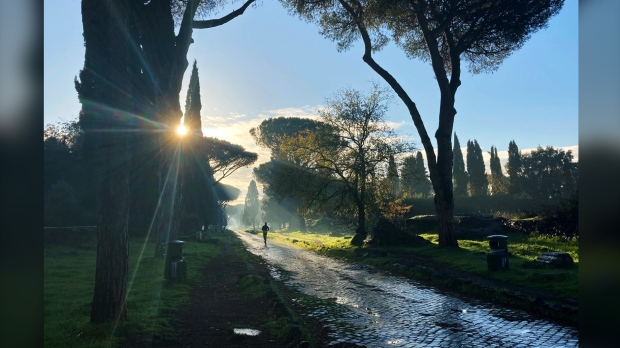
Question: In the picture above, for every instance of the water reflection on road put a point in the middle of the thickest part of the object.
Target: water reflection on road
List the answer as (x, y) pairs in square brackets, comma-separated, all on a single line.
[(372, 309)]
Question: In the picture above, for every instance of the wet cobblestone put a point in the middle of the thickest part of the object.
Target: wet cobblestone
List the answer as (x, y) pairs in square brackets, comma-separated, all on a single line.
[(377, 310)]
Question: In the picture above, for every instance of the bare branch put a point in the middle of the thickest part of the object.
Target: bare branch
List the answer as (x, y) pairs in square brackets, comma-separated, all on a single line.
[(211, 23)]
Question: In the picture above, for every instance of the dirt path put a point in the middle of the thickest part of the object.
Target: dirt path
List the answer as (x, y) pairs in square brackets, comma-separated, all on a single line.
[(219, 305)]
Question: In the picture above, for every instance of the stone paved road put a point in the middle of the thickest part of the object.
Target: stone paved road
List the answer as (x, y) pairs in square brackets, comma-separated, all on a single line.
[(372, 309)]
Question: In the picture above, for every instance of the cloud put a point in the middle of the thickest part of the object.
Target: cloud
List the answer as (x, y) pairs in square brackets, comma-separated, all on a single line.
[(306, 111)]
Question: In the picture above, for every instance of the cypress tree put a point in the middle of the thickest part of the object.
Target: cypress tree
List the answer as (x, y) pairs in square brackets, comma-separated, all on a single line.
[(514, 168), (422, 182), (459, 174), (193, 104), (407, 175), (497, 178), (251, 207), (392, 175), (478, 182)]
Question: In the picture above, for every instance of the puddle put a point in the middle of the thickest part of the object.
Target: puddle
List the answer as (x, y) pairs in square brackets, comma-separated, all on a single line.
[(246, 332)]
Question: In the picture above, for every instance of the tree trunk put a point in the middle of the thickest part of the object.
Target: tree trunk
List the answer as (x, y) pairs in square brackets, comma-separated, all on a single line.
[(442, 176), (112, 247), (108, 78), (302, 224), (360, 232)]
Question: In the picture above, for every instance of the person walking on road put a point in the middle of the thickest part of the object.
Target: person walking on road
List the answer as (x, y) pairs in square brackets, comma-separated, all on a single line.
[(265, 229)]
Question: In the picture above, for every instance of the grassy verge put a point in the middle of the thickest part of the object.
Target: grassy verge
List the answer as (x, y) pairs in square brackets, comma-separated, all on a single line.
[(421, 262), (69, 272), (282, 322)]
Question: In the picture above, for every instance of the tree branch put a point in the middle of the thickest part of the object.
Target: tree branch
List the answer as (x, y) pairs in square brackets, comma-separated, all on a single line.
[(211, 23), (411, 106)]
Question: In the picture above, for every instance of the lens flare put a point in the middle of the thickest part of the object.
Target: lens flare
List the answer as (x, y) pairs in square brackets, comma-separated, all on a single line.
[(181, 130)]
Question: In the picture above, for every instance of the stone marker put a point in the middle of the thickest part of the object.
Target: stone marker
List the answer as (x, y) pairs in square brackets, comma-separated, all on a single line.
[(556, 259)]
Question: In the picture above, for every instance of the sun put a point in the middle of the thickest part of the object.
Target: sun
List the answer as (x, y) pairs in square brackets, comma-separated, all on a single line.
[(181, 130)]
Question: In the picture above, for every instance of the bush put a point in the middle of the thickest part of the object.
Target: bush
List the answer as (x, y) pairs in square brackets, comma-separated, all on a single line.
[(562, 219), (62, 207)]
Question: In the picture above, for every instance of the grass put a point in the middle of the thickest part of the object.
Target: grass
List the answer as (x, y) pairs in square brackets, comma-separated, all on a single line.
[(282, 315), (470, 257), (69, 272)]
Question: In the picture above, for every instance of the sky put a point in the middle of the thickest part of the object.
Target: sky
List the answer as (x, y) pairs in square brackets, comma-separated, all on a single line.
[(268, 63)]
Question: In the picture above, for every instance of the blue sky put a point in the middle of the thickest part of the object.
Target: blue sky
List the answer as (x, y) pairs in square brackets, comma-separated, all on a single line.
[(268, 63)]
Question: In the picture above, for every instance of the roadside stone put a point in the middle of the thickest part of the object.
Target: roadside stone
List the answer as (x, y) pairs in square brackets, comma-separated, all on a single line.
[(556, 259)]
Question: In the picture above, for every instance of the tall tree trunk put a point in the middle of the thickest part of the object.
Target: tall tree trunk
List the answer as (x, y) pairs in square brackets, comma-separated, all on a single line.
[(107, 80), (442, 176), (112, 247)]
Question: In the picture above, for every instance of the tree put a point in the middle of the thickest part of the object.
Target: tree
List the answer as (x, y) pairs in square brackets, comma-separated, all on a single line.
[(274, 213), (422, 185), (547, 174), (407, 175), (498, 184), (196, 175), (481, 33), (351, 164), (134, 65), (62, 207), (280, 176), (251, 207), (392, 174), (458, 171), (63, 160), (193, 105), (477, 177), (225, 158), (270, 132), (107, 80), (514, 168)]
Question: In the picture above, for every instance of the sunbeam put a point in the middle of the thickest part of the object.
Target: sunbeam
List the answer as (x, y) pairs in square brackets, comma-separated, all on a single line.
[(173, 171)]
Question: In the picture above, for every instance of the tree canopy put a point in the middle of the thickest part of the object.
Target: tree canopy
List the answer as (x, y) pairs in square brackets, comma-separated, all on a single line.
[(352, 162)]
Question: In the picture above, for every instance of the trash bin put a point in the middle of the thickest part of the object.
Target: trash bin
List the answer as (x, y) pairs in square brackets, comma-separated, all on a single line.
[(174, 253), (498, 242), (498, 257)]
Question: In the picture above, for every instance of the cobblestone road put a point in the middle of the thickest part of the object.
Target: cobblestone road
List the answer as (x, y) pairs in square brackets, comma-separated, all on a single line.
[(372, 309)]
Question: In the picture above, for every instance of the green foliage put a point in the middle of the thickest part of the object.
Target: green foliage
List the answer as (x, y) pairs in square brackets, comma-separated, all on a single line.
[(251, 206), (496, 179), (422, 182), (392, 176), (477, 178), (68, 289), (514, 168), (459, 174), (225, 157), (68, 193), (62, 207), (548, 174), (353, 161), (270, 132), (193, 105)]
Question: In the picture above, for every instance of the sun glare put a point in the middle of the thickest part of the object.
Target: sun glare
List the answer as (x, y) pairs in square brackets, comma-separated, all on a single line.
[(181, 130)]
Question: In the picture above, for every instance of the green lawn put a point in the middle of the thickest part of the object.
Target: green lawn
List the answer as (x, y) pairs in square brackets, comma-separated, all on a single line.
[(470, 257), (69, 273)]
